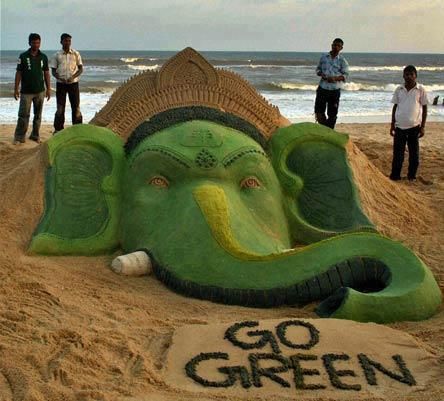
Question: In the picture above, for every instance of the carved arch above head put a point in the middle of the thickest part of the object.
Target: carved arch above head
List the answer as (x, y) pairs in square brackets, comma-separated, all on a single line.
[(186, 79), (186, 68)]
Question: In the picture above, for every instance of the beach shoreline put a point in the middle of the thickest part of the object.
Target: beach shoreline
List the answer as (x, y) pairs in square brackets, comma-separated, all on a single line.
[(375, 130), (287, 80), (90, 105)]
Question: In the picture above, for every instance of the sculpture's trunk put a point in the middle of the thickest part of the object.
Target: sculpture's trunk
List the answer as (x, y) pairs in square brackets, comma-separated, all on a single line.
[(338, 269)]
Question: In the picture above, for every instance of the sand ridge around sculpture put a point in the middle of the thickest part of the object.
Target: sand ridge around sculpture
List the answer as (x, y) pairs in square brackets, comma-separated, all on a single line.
[(71, 329)]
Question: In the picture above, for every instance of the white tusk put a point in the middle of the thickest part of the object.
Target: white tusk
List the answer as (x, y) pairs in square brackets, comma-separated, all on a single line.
[(132, 264)]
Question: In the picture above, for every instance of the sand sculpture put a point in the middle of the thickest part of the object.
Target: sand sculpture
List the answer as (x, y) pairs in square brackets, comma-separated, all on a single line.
[(231, 202)]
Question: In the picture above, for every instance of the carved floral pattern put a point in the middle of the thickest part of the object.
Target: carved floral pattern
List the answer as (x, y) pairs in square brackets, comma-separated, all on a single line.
[(187, 79)]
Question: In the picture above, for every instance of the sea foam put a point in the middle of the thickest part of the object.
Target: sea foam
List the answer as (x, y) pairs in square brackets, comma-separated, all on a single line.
[(129, 59), (351, 87), (144, 67), (392, 68)]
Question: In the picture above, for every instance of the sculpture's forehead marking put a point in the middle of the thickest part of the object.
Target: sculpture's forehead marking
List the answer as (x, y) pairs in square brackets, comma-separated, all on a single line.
[(165, 151), (202, 137), (232, 157), (201, 144), (206, 160)]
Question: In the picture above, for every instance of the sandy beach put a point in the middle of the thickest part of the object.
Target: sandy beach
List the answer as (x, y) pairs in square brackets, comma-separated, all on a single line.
[(71, 329)]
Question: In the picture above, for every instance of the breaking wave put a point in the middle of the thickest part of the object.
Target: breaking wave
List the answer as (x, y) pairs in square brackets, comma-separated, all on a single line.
[(392, 68), (129, 59), (349, 86), (292, 86), (134, 59), (144, 67), (353, 68)]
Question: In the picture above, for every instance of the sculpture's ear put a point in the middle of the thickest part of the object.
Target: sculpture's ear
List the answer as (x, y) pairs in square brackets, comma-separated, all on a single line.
[(310, 161), (82, 193)]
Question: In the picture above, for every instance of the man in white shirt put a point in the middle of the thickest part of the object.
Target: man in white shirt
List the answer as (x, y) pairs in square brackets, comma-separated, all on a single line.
[(409, 115), (66, 66)]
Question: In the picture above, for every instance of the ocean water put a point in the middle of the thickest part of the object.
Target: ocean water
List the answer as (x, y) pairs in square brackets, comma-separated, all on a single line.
[(287, 79)]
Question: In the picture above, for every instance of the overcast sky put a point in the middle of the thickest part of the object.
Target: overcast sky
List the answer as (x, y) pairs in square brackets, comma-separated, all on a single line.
[(282, 25)]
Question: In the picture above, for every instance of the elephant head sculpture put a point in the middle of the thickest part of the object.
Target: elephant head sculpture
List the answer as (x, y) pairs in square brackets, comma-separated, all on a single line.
[(228, 217)]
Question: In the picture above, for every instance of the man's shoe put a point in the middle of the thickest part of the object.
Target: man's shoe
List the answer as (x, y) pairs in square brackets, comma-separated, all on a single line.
[(18, 141), (411, 178), (393, 178), (35, 139)]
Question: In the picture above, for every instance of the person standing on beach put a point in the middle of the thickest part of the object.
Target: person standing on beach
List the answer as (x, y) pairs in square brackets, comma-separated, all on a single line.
[(31, 76), (66, 66), (409, 115), (333, 70)]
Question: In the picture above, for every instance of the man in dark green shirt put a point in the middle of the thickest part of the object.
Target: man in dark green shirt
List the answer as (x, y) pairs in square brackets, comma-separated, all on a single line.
[(31, 76)]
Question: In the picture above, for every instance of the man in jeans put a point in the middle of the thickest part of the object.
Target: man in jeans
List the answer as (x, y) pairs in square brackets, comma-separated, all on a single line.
[(31, 76), (333, 70), (66, 66)]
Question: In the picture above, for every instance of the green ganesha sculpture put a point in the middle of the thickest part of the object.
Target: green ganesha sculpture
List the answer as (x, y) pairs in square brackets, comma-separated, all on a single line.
[(226, 220)]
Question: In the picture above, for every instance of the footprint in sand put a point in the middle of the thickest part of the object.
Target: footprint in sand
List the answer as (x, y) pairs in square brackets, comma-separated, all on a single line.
[(61, 376), (5, 389), (134, 365), (13, 384), (424, 181)]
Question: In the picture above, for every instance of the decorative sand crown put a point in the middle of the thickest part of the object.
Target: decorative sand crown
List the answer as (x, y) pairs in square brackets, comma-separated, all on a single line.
[(187, 79)]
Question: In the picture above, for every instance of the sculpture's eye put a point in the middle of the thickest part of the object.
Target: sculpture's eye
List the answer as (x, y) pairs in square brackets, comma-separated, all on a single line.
[(250, 182), (159, 181)]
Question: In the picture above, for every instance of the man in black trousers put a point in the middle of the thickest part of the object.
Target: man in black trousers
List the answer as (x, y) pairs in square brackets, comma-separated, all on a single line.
[(333, 70), (66, 66), (409, 115)]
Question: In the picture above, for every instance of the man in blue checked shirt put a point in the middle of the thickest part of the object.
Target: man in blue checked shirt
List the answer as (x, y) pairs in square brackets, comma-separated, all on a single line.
[(333, 70)]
